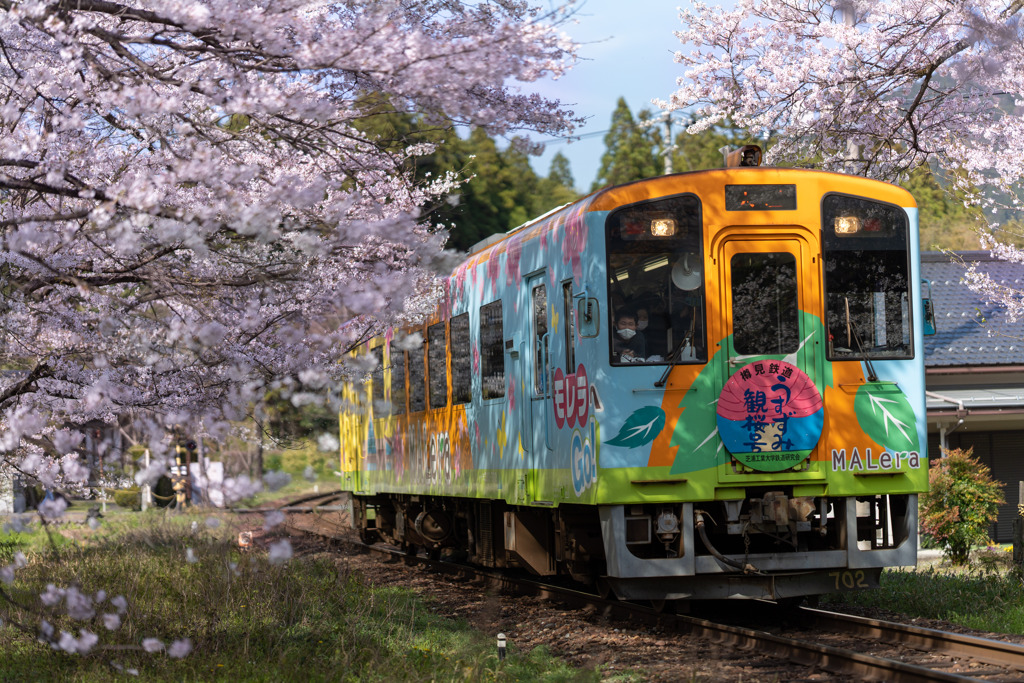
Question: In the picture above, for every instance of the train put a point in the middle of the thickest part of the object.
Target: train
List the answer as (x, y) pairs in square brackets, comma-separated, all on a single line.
[(699, 386)]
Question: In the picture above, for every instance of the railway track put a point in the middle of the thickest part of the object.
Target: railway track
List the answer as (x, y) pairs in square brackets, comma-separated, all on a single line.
[(868, 649), (1003, 658), (314, 502)]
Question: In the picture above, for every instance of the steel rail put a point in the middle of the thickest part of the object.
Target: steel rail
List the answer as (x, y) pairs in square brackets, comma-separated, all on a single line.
[(997, 652), (293, 505), (834, 659), (319, 507)]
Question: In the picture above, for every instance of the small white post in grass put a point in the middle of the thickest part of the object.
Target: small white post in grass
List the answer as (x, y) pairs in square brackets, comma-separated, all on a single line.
[(501, 647), (147, 494)]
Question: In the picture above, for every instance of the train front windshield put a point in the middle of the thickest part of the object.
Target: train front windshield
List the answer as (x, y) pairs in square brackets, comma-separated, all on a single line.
[(867, 278), (656, 282)]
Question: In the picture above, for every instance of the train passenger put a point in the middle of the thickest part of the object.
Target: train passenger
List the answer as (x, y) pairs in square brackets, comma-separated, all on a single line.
[(629, 346)]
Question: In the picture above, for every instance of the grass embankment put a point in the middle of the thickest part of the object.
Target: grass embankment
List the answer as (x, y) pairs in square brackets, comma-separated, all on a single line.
[(248, 620), (987, 596)]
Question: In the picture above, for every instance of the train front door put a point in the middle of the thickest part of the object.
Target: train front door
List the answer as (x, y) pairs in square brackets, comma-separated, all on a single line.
[(770, 411)]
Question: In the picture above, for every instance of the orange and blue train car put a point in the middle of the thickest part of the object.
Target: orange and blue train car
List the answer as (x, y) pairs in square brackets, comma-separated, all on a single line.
[(698, 386)]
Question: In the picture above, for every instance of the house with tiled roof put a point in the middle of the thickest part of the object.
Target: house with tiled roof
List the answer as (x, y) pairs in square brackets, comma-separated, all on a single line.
[(974, 365)]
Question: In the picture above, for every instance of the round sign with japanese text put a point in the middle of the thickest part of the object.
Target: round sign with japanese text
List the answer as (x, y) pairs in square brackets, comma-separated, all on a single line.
[(770, 415)]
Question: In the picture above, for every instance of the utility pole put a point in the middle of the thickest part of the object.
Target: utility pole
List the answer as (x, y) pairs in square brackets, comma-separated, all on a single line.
[(852, 148), (668, 146)]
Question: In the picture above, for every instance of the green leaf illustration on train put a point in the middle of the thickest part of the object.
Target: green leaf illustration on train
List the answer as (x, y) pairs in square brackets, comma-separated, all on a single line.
[(659, 387), (640, 428)]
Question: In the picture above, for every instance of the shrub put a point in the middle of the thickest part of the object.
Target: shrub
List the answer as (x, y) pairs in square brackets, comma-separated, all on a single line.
[(129, 499), (962, 501), (297, 459), (272, 462)]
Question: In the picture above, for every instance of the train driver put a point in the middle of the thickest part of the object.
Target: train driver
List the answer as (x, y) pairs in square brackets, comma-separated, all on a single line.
[(628, 345)]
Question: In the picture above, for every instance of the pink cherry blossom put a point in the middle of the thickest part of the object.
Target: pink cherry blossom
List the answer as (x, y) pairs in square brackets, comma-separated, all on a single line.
[(222, 177), (874, 88)]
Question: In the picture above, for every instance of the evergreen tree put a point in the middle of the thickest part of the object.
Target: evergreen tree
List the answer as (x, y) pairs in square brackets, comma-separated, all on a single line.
[(629, 149), (702, 150), (479, 211), (502, 190), (560, 172), (520, 187), (557, 188), (944, 222)]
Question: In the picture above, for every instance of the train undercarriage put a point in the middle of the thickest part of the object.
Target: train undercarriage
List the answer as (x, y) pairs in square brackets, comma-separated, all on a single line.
[(769, 545)]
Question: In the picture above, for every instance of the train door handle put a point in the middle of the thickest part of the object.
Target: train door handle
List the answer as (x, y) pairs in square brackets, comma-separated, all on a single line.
[(545, 340), (526, 409)]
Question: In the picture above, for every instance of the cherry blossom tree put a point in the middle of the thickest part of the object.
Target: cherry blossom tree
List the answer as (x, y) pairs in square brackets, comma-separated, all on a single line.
[(190, 215), (876, 88), (188, 208)]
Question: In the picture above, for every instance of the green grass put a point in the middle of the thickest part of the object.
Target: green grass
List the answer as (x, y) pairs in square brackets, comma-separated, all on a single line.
[(248, 620), (988, 596)]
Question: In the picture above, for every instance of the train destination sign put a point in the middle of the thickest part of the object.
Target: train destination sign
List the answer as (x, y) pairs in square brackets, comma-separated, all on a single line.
[(760, 197)]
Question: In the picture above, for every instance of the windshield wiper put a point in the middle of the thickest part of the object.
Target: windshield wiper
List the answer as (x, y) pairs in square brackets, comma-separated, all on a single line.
[(672, 357), (872, 375)]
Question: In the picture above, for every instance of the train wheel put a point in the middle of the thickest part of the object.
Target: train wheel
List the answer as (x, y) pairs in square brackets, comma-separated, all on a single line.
[(604, 589)]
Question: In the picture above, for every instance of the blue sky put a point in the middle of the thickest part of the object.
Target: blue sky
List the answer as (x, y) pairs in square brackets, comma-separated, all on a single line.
[(626, 50)]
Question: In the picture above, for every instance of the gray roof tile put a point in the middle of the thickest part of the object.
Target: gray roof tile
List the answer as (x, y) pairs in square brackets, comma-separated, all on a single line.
[(968, 330)]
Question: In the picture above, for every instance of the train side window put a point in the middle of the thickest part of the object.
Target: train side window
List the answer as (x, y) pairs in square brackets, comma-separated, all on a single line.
[(539, 297), (417, 380), (437, 365), (867, 278), (656, 282), (492, 351), (462, 375), (397, 381), (377, 378), (570, 327)]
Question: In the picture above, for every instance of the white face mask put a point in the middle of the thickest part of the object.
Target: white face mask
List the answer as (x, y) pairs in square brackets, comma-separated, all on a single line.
[(642, 325), (627, 333)]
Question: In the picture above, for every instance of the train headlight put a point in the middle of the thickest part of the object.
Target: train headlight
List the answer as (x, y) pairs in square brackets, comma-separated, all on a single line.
[(663, 227), (847, 225)]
